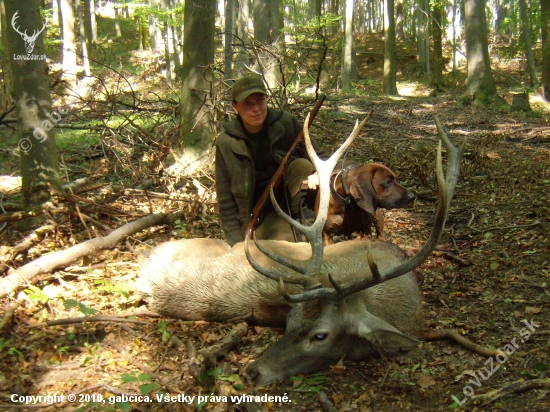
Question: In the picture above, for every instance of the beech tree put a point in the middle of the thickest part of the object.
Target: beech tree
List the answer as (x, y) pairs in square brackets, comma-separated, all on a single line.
[(390, 61), (545, 31), (69, 39), (197, 134), (31, 91), (268, 24), (481, 86)]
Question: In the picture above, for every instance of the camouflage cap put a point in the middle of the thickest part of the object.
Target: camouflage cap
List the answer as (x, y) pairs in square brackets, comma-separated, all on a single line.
[(245, 86)]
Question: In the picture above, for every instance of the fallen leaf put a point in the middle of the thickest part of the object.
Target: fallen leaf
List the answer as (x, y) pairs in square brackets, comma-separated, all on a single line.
[(532, 310), (425, 381)]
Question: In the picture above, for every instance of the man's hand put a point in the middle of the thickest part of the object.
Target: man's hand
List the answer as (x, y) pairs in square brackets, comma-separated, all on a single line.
[(312, 181)]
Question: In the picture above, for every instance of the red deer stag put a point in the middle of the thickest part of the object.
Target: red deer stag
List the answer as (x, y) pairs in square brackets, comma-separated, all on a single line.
[(353, 313), (346, 305)]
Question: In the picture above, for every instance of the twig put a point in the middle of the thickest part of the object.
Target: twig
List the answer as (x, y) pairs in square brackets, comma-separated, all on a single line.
[(461, 340), (503, 227), (519, 386), (101, 318)]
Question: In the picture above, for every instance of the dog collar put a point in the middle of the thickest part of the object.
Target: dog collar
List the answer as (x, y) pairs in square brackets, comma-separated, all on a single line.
[(349, 200)]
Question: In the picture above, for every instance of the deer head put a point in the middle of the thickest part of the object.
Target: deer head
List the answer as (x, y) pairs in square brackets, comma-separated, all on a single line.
[(373, 310), (29, 40)]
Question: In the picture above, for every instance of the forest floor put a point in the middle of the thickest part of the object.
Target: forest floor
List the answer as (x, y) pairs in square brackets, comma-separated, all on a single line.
[(488, 280)]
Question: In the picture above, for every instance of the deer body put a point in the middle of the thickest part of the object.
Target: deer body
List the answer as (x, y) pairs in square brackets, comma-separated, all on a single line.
[(350, 299)]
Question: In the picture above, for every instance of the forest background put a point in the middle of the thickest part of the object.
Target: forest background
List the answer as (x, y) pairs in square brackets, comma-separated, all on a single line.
[(109, 112)]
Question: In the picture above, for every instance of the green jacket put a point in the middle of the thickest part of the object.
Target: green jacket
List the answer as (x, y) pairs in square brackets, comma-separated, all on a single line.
[(235, 173)]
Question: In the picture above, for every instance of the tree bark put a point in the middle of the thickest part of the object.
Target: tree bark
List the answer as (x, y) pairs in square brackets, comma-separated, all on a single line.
[(268, 23), (83, 39), (39, 164), (197, 134), (527, 43), (437, 75), (545, 32), (481, 86), (69, 40), (390, 61), (348, 47), (228, 36)]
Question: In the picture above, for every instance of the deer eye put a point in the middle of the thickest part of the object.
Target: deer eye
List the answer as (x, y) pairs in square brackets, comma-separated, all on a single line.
[(321, 336)]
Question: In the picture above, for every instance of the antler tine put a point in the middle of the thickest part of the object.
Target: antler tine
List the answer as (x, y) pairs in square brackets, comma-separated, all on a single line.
[(13, 19), (324, 169), (313, 233), (446, 189), (274, 274)]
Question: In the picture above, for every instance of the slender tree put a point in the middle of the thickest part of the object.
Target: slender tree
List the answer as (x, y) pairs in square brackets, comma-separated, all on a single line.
[(69, 40), (268, 25), (39, 165), (348, 47), (390, 60), (437, 75), (83, 42), (481, 86), (545, 29), (197, 135), (527, 43), (230, 12)]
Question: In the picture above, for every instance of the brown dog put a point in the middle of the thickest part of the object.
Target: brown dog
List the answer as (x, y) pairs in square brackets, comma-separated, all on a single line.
[(357, 193)]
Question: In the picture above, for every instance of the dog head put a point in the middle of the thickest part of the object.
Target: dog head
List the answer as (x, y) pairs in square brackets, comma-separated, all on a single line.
[(374, 185)]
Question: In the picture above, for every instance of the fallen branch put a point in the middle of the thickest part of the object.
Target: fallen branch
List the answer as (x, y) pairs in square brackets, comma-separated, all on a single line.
[(519, 386), (62, 258), (461, 340), (101, 318), (206, 359), (9, 313)]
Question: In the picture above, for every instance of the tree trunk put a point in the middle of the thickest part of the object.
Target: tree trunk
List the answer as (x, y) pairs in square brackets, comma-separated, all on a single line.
[(268, 23), (69, 41), (527, 44), (481, 86), (545, 29), (348, 47), (243, 15), (420, 36), (35, 120), (197, 134), (91, 24), (230, 13), (155, 37), (167, 43), (8, 84), (437, 75), (390, 61), (83, 42), (118, 11), (400, 21)]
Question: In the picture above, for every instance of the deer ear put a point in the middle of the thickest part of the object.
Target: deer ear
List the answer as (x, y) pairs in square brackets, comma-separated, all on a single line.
[(382, 335), (362, 197)]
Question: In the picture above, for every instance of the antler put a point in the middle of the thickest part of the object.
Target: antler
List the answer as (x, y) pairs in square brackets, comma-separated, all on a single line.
[(311, 267), (446, 189), (16, 14)]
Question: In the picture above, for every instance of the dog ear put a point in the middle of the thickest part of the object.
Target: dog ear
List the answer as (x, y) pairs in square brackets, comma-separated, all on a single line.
[(362, 196)]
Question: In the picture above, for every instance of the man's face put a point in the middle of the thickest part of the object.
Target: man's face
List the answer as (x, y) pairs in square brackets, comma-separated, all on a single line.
[(253, 111)]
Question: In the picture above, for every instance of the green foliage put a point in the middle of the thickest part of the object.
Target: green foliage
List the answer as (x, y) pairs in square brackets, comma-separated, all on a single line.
[(71, 303), (312, 383), (163, 330), (35, 293), (11, 350), (106, 286)]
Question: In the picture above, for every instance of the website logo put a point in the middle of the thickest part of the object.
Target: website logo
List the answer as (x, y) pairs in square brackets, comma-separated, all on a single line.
[(29, 40)]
